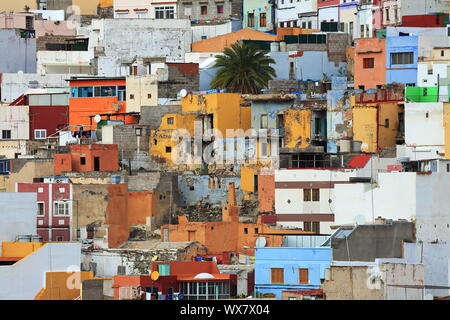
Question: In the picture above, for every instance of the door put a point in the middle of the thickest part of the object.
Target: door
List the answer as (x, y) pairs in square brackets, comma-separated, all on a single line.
[(96, 163)]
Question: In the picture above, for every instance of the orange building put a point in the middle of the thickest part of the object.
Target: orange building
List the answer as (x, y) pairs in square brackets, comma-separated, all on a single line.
[(369, 63), (228, 234), (282, 32), (88, 158), (182, 279), (266, 191), (219, 43), (92, 96)]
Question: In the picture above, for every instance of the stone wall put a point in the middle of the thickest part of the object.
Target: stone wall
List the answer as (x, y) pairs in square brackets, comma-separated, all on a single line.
[(151, 116), (181, 76)]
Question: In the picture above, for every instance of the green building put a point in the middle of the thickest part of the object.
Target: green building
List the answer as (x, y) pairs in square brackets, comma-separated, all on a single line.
[(259, 15)]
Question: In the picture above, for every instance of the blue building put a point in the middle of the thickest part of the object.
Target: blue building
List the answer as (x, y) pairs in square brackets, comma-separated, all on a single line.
[(401, 59), (204, 188), (280, 269)]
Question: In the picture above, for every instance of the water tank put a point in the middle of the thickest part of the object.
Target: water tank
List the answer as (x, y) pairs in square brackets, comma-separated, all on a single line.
[(345, 146), (115, 179), (356, 146), (274, 46)]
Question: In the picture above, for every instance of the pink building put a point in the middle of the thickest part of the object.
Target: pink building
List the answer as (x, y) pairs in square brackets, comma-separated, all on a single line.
[(32, 21), (54, 216)]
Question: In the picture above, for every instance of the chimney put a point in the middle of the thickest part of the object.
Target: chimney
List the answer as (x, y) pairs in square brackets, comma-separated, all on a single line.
[(230, 211)]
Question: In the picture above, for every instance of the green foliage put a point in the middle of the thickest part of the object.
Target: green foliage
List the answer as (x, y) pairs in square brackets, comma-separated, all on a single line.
[(243, 69)]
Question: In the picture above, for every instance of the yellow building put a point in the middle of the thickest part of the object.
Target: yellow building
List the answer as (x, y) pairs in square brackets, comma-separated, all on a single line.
[(376, 125), (223, 110), (447, 129), (297, 124), (63, 285), (220, 111), (162, 145), (18, 5)]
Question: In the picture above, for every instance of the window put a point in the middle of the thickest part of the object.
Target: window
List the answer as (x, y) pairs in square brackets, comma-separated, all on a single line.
[(170, 120), (105, 91), (168, 149), (82, 161), (85, 92), (262, 19), (164, 269), (6, 134), (312, 226), (204, 10), (277, 275), (368, 63), (387, 14), (164, 13), (131, 96), (251, 20), (448, 170), (425, 92), (306, 195), (402, 58), (61, 209), (315, 194), (245, 230), (264, 121), (386, 123), (256, 230), (121, 93), (40, 133), (442, 53), (41, 206), (303, 275), (309, 24), (219, 9)]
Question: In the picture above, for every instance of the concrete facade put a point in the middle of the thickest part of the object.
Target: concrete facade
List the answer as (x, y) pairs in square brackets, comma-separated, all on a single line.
[(115, 51), (21, 54), (385, 279), (370, 242)]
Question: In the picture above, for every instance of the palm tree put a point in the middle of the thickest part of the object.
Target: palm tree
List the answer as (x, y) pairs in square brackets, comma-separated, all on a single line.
[(243, 69)]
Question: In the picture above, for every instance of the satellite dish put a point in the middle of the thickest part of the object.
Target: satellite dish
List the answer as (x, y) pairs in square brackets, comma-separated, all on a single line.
[(97, 118), (183, 93), (155, 275), (261, 242)]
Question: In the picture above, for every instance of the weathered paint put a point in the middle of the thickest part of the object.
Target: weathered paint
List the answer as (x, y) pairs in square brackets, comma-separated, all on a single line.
[(228, 234), (297, 123), (204, 188), (108, 154), (266, 191)]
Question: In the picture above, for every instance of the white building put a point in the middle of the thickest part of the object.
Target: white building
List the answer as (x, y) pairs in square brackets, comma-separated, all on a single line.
[(424, 131), (65, 62), (145, 9), (24, 279), (15, 123), (18, 214), (302, 14), (13, 85), (117, 42), (302, 197)]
